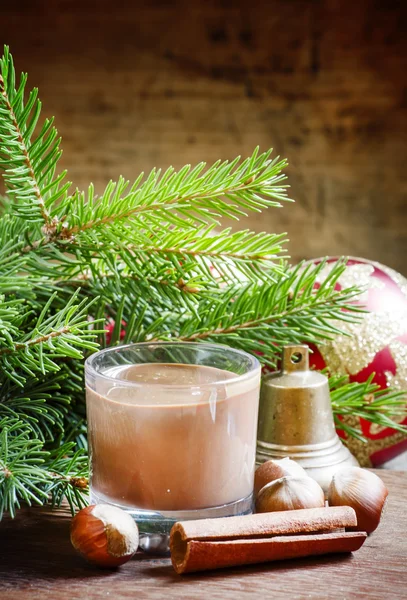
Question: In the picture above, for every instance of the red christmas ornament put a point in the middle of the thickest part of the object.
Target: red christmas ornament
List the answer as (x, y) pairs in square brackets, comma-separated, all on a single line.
[(377, 345)]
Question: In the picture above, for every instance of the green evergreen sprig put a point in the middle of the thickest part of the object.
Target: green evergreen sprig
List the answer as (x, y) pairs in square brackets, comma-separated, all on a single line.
[(62, 334), (28, 162), (225, 189), (31, 475), (147, 260), (367, 401)]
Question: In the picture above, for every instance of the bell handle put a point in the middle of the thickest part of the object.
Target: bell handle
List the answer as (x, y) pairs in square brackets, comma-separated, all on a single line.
[(295, 358)]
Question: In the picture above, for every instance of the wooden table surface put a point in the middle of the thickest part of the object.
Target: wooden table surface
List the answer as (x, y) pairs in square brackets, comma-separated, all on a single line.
[(37, 561)]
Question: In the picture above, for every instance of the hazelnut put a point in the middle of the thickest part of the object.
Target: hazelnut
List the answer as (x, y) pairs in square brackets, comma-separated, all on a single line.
[(290, 493), (274, 469), (364, 491), (104, 535)]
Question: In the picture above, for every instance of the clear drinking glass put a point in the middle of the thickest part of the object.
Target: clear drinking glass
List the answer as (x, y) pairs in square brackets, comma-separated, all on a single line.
[(172, 432)]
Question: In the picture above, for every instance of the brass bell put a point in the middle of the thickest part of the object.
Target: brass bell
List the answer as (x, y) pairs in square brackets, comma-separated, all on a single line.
[(296, 419)]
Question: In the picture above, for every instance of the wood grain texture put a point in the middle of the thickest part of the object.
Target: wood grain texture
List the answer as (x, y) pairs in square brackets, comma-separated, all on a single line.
[(38, 562), (160, 82)]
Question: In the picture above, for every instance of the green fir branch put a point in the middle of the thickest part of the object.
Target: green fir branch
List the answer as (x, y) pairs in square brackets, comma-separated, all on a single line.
[(226, 189), (43, 405), (21, 472), (200, 251), (29, 163), (263, 317), (148, 260), (136, 237), (367, 401), (28, 474), (68, 477), (63, 334)]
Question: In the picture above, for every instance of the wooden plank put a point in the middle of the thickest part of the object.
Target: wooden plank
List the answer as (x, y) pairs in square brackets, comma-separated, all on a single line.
[(37, 561), (179, 81)]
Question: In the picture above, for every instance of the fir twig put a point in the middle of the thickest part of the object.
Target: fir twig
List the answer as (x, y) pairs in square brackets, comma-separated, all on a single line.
[(263, 317), (226, 189), (367, 401), (65, 333), (21, 473), (29, 165), (29, 474)]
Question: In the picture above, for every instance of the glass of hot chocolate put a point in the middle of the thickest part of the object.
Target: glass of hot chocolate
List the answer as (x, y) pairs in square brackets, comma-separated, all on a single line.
[(172, 432)]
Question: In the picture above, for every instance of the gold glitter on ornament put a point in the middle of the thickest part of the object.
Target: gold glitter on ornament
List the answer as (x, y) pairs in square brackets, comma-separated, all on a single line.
[(357, 448), (398, 381), (363, 451), (398, 351), (350, 354), (376, 331)]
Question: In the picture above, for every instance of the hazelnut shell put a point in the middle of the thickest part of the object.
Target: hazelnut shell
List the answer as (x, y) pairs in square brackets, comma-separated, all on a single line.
[(290, 493), (364, 491), (104, 535), (275, 469)]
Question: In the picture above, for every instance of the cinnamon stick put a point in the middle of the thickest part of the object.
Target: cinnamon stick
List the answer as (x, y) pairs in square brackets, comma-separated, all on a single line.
[(232, 541)]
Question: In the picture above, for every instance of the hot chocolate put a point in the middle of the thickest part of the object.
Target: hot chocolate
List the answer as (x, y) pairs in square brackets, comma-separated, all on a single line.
[(171, 437)]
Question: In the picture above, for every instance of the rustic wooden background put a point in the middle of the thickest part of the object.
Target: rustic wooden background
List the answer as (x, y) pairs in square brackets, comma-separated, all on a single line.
[(140, 84)]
